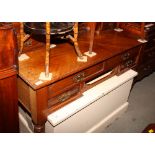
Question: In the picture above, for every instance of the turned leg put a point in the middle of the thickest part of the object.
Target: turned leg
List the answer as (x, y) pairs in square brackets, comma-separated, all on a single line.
[(39, 128), (38, 104)]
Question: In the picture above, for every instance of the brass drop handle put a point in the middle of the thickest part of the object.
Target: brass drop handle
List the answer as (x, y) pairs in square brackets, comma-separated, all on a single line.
[(79, 77), (65, 96), (129, 63)]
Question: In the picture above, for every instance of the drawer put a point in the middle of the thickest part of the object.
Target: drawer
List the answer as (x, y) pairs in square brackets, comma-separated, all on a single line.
[(124, 58), (130, 63), (131, 53), (66, 83), (65, 96)]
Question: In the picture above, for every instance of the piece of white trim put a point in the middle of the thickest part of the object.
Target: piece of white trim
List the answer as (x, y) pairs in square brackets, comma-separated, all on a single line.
[(92, 54), (99, 78), (38, 82), (23, 57), (52, 45), (84, 59), (43, 77), (118, 29), (142, 40), (149, 25)]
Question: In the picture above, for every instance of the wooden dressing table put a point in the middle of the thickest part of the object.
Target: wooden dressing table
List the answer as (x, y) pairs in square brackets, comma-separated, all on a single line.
[(116, 53)]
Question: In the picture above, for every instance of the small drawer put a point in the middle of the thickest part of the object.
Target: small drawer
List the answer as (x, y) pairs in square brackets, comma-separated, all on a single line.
[(63, 97), (66, 83), (130, 53), (93, 71), (130, 63), (112, 62), (122, 58)]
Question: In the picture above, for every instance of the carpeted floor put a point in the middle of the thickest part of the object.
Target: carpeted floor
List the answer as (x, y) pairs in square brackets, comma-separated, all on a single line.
[(141, 110)]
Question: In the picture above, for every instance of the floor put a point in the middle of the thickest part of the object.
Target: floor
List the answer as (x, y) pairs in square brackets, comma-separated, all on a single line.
[(141, 110)]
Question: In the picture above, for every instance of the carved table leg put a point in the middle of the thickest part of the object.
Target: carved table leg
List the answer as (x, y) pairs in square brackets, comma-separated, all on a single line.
[(39, 101)]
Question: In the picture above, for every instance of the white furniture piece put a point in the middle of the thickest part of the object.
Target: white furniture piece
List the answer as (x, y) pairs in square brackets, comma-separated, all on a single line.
[(95, 110)]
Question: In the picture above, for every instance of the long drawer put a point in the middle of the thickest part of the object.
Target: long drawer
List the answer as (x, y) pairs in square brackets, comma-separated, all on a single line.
[(73, 80)]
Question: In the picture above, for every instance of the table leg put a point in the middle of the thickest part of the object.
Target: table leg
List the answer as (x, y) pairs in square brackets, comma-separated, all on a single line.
[(39, 128)]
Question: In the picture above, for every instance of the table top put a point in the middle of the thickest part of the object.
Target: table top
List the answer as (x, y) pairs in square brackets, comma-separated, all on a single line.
[(63, 58)]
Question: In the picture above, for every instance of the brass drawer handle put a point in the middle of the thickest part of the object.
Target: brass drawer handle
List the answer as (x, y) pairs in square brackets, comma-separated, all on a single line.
[(67, 95), (129, 63), (64, 97), (79, 77)]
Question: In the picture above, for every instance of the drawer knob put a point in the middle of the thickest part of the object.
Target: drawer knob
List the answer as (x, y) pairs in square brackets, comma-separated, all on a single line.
[(125, 56), (67, 95), (79, 77), (129, 63), (64, 97)]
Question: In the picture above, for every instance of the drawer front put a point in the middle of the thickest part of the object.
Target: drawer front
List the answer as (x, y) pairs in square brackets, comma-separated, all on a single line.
[(126, 59), (67, 83), (63, 97), (131, 53), (130, 63)]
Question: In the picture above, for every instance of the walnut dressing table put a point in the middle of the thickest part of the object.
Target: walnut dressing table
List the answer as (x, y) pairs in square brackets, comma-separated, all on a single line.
[(116, 52)]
